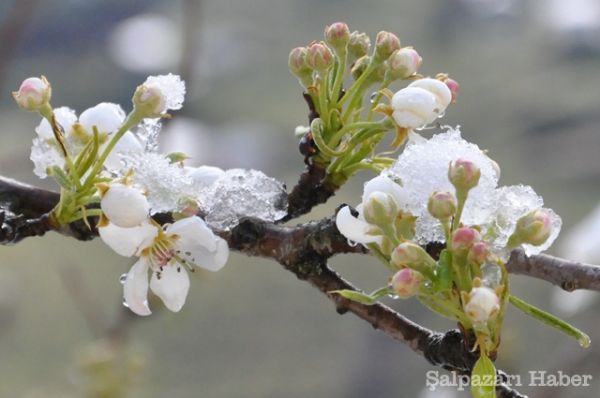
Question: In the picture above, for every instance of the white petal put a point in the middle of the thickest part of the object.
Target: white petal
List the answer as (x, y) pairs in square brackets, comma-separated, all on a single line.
[(204, 176), (127, 145), (414, 107), (354, 229), (193, 232), (125, 206), (135, 288), (128, 241), (438, 88), (106, 116), (65, 116), (201, 257), (171, 283), (383, 183)]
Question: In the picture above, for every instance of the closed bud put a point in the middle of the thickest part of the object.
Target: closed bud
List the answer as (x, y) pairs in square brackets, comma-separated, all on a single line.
[(482, 304), (359, 66), (149, 101), (385, 44), (411, 255), (319, 57), (441, 205), (406, 282), (33, 94), (413, 107), (337, 35), (439, 89), (534, 228), (359, 44), (454, 88), (464, 238), (380, 208), (478, 253), (404, 63), (463, 174), (297, 62), (124, 206)]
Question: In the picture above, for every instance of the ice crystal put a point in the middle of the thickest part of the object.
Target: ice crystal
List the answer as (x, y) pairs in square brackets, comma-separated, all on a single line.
[(172, 87), (423, 168), (240, 192), (44, 155), (165, 184), (147, 132)]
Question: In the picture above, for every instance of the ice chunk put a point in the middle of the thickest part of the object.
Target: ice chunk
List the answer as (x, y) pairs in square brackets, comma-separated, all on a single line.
[(243, 193), (165, 184), (43, 155), (171, 86), (148, 132), (423, 168)]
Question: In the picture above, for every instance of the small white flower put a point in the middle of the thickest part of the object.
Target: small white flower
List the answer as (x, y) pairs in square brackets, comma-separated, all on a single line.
[(356, 228), (165, 253), (106, 117), (124, 206), (482, 305), (439, 89), (414, 107), (34, 93)]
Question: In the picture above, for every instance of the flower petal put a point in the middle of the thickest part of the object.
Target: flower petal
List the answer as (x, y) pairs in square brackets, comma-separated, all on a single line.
[(193, 232), (383, 183), (106, 116), (135, 288), (171, 283), (128, 241), (354, 229)]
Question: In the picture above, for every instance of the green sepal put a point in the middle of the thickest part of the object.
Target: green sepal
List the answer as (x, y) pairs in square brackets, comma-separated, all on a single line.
[(368, 299), (61, 177), (444, 273), (483, 378), (551, 320)]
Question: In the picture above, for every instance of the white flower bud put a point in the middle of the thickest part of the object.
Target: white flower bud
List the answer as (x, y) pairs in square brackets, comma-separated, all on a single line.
[(106, 116), (34, 93), (380, 208), (414, 107), (482, 304), (124, 206), (439, 89)]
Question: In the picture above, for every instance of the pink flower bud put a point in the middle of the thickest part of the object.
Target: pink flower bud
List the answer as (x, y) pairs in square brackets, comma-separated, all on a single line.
[(385, 44), (319, 57), (406, 282), (482, 304), (297, 61), (454, 88), (409, 254), (535, 227), (337, 35), (441, 205), (34, 93), (359, 44), (478, 253), (463, 174), (464, 238), (404, 63), (359, 66)]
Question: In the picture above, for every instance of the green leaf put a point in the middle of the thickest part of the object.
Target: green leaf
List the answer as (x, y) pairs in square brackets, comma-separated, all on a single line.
[(444, 275), (549, 319), (483, 378), (368, 299)]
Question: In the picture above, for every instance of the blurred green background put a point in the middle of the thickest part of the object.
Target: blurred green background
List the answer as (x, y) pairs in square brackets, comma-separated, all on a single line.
[(530, 93)]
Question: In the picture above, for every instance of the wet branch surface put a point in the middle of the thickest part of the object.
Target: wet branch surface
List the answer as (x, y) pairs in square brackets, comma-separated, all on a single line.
[(304, 250)]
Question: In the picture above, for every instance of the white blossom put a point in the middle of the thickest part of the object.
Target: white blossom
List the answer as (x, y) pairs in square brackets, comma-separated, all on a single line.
[(165, 252), (106, 117), (482, 305), (414, 107), (124, 206)]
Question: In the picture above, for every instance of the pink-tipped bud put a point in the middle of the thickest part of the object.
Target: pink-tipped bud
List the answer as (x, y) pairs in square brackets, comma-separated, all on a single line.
[(411, 255), (478, 253), (337, 35), (441, 205), (404, 63), (359, 44), (483, 303), (463, 174), (454, 88), (319, 57), (34, 94), (406, 282), (380, 208), (534, 228), (360, 66), (149, 100), (464, 238), (297, 61), (385, 44)]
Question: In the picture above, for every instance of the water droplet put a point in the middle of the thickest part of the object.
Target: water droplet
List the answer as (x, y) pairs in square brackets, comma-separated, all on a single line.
[(352, 243), (373, 97), (394, 296), (492, 275), (441, 115), (125, 304), (122, 279)]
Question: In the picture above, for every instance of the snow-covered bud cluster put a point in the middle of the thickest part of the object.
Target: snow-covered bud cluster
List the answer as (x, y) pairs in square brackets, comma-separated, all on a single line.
[(33, 94), (406, 283), (483, 303)]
